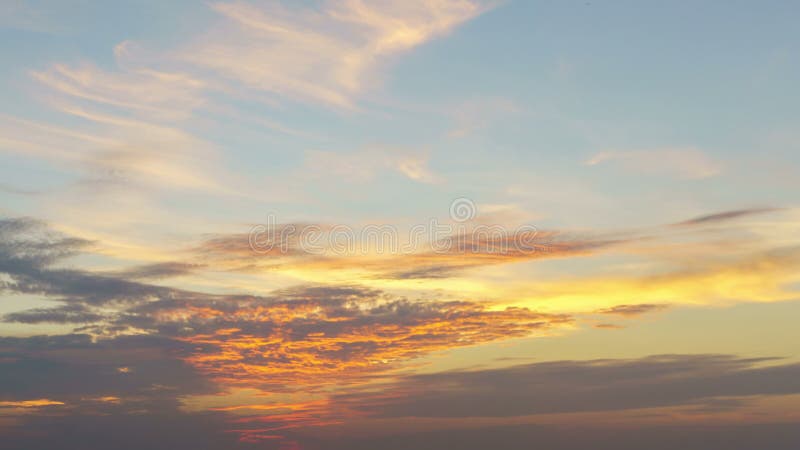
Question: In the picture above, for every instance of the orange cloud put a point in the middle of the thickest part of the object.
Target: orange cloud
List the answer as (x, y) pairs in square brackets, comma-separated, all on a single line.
[(31, 403), (296, 342)]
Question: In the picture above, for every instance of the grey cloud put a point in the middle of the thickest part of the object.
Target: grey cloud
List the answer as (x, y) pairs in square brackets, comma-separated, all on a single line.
[(632, 310), (776, 436), (573, 386), (73, 367), (71, 313), (26, 245), (27, 252), (430, 272), (725, 216), (159, 430)]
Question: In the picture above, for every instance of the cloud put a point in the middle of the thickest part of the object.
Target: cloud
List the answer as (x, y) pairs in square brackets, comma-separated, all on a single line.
[(683, 163), (632, 310), (73, 368), (28, 250), (27, 245), (448, 256), (581, 386), (9, 189), (147, 93), (308, 333), (120, 123), (678, 261), (319, 335), (329, 55), (150, 346), (160, 270), (777, 436), (114, 149), (754, 276), (38, 403), (368, 165), (608, 326), (301, 342), (60, 314), (725, 216)]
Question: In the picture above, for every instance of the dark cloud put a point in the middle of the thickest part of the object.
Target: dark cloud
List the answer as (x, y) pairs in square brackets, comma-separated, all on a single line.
[(632, 310), (146, 370), (430, 272), (28, 250), (26, 246), (725, 216), (581, 386), (157, 430), (71, 313), (783, 436)]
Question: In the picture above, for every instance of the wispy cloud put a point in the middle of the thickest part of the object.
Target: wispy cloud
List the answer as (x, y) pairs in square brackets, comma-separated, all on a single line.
[(571, 386), (329, 55), (725, 216), (141, 91), (680, 162), (114, 149), (632, 310)]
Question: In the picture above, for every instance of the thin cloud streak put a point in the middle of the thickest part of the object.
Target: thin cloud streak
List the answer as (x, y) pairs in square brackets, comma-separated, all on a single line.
[(687, 163), (725, 216)]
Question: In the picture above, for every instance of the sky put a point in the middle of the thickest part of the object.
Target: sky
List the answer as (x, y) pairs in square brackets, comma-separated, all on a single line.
[(431, 224)]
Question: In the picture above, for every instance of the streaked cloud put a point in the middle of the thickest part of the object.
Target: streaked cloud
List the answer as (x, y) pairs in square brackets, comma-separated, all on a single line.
[(60, 314), (141, 91), (725, 216), (688, 163), (569, 386), (632, 310), (160, 270), (114, 149)]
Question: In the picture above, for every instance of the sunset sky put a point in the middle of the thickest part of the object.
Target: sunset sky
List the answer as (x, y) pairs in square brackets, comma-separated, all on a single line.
[(397, 224)]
